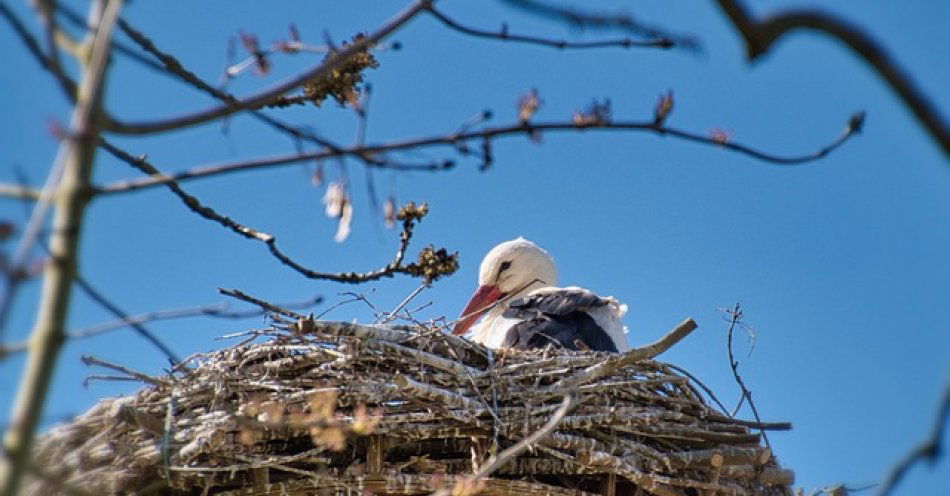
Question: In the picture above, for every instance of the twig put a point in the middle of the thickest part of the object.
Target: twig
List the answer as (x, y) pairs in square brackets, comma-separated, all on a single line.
[(930, 450), (118, 312), (760, 35), (391, 315), (470, 483), (454, 139), (504, 35), (598, 20), (736, 316), (262, 97), (75, 159)]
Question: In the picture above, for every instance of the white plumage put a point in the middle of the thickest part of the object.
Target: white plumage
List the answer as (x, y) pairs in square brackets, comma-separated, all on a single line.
[(522, 306)]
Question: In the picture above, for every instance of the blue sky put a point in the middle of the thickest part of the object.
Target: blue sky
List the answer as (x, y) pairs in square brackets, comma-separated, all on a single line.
[(841, 265)]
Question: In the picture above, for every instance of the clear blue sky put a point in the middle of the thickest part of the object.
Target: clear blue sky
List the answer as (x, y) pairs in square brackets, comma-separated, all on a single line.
[(841, 265)]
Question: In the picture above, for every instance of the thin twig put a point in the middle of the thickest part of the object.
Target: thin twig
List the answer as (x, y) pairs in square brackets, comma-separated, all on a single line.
[(930, 450), (391, 315), (736, 316), (709, 392), (504, 35), (760, 35), (68, 85), (518, 129)]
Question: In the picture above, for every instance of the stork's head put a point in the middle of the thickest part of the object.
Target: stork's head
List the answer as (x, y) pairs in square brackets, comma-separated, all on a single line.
[(510, 270)]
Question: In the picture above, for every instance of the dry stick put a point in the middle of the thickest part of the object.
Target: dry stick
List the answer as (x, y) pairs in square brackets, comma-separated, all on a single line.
[(76, 20), (930, 450), (261, 303), (262, 97), (746, 394), (517, 129), (195, 205), (635, 355), (504, 35), (496, 462), (760, 35), (76, 157), (589, 19)]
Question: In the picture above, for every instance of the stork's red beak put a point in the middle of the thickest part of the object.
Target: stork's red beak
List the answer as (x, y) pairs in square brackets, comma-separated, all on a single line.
[(482, 299)]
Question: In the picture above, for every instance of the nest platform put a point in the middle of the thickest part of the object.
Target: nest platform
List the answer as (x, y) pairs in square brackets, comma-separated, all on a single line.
[(329, 408)]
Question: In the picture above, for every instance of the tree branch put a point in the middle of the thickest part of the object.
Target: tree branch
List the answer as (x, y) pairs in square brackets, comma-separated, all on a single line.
[(68, 85), (260, 98), (504, 35), (760, 35), (736, 315), (460, 138), (47, 336)]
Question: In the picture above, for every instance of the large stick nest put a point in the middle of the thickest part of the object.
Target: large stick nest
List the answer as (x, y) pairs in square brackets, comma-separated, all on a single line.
[(334, 408)]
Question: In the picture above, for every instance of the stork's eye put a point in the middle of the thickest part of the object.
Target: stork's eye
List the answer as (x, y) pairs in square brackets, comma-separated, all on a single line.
[(504, 266)]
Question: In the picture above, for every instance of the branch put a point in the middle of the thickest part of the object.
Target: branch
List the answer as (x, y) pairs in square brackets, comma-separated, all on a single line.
[(431, 265), (598, 20), (260, 98), (930, 450), (459, 139), (504, 35), (75, 159), (759, 37)]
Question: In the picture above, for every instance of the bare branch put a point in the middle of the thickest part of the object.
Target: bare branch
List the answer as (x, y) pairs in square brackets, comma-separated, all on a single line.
[(455, 139), (600, 20), (760, 35), (260, 98), (91, 360), (504, 35), (930, 450)]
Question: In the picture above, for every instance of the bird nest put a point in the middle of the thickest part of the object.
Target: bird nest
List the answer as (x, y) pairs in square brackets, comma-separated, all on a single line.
[(313, 408)]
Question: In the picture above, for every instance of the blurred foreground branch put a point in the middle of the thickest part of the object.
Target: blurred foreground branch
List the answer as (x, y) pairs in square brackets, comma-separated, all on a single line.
[(930, 450), (760, 35)]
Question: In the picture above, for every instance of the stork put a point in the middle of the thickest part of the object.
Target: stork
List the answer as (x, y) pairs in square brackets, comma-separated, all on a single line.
[(522, 307)]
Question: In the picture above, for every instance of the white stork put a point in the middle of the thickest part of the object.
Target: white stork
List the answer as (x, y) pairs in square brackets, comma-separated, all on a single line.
[(523, 308)]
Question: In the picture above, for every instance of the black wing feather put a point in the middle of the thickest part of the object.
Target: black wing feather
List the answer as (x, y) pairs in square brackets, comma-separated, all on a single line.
[(558, 318)]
